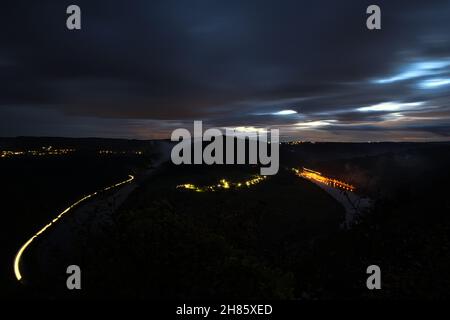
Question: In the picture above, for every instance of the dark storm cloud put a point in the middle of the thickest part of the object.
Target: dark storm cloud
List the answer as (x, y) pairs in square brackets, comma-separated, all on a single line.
[(231, 63)]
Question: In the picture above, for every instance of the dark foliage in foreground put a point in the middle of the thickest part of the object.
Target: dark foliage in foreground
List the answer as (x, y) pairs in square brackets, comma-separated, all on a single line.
[(282, 239), (235, 244)]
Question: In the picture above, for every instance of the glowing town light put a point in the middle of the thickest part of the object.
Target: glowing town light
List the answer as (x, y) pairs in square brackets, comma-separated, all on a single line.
[(318, 177), (285, 112), (222, 185), (434, 83), (19, 254), (391, 106)]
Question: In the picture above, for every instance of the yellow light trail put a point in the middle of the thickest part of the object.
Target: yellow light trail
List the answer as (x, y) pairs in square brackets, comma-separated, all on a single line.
[(24, 247), (317, 176), (223, 184)]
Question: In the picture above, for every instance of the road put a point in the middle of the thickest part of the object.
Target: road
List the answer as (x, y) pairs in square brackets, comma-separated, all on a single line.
[(353, 204), (18, 257)]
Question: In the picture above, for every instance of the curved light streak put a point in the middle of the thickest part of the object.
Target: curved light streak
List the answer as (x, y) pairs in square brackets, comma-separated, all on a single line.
[(25, 246)]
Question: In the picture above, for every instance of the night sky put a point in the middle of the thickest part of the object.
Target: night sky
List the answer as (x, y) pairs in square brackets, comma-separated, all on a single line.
[(139, 69)]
